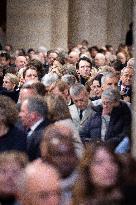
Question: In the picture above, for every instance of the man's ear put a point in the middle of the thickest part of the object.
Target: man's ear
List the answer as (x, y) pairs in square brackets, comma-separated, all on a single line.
[(102, 87)]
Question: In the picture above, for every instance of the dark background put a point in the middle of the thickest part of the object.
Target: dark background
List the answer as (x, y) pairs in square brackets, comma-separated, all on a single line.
[(3, 5)]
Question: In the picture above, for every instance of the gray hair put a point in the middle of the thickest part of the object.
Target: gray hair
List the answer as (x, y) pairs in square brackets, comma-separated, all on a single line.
[(76, 89), (107, 75), (131, 62), (49, 78), (112, 94), (128, 67), (37, 104), (69, 79)]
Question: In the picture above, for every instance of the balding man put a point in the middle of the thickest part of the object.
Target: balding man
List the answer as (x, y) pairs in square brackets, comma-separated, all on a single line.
[(20, 62), (39, 185), (73, 57), (99, 60)]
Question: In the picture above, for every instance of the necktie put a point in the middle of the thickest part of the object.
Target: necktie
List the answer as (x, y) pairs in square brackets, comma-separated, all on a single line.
[(28, 130), (81, 114)]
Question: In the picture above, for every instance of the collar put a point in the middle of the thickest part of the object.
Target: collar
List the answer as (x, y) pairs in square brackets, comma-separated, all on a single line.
[(33, 127)]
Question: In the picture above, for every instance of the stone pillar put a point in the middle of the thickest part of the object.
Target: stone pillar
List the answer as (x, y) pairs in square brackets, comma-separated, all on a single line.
[(114, 22), (87, 20), (59, 17), (119, 15), (134, 90), (37, 22)]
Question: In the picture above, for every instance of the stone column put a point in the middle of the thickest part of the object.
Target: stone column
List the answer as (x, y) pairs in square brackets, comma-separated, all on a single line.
[(87, 20), (59, 17), (119, 15), (37, 22), (29, 23)]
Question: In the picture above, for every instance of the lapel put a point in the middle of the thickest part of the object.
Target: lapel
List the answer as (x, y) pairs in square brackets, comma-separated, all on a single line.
[(87, 113)]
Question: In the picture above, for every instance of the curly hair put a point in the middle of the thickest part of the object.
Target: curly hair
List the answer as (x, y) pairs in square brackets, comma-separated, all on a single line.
[(8, 111)]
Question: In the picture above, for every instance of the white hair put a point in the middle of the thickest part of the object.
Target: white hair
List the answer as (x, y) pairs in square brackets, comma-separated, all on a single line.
[(49, 78)]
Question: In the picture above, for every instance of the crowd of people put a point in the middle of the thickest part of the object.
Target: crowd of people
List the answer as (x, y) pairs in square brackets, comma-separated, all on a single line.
[(65, 126)]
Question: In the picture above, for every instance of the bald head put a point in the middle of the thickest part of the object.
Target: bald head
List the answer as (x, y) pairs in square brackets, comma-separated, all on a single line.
[(40, 185), (20, 62), (99, 59), (73, 57)]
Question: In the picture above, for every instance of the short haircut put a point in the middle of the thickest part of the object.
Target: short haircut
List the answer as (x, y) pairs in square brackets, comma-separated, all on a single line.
[(69, 79), (49, 78), (76, 89), (122, 71), (5, 55), (51, 51), (112, 94), (84, 59), (37, 104), (108, 75)]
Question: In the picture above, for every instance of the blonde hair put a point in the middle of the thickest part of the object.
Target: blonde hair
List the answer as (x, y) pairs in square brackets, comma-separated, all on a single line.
[(13, 78)]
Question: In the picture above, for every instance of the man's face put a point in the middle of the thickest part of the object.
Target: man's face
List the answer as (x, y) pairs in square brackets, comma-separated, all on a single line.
[(51, 58), (43, 188), (81, 101), (127, 76), (110, 83), (25, 115), (73, 57), (121, 57), (20, 62), (25, 93), (99, 60), (84, 68)]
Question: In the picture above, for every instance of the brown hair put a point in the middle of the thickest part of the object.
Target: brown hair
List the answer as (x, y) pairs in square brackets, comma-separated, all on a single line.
[(85, 188), (57, 108)]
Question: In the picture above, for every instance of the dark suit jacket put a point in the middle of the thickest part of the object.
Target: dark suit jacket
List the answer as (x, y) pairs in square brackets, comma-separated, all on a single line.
[(119, 125), (33, 142)]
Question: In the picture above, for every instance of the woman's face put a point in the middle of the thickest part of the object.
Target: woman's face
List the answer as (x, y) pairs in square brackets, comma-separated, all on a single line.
[(8, 84), (103, 169), (31, 75), (96, 88)]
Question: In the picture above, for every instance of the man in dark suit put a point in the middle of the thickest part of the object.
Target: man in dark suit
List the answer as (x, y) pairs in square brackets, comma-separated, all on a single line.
[(33, 115)]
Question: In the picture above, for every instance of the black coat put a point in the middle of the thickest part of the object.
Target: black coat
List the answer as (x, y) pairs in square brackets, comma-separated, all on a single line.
[(119, 125), (15, 139), (33, 142)]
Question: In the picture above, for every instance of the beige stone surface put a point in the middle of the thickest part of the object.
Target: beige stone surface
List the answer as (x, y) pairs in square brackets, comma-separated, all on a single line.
[(53, 23), (37, 22)]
